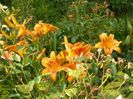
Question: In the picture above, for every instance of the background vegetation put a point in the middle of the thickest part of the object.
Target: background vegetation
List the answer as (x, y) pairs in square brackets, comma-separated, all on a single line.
[(79, 20)]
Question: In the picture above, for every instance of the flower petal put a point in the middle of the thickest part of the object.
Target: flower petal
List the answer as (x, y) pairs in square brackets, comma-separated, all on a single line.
[(103, 36), (45, 71), (9, 23), (52, 55), (53, 76), (45, 62), (70, 78), (111, 37), (14, 20), (108, 51), (117, 49), (5, 34), (11, 48), (98, 45)]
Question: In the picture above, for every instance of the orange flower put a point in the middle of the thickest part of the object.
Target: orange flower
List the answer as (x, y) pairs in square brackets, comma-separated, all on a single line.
[(41, 54), (22, 31), (52, 64), (15, 48), (70, 66), (108, 43), (11, 48), (62, 55), (5, 34), (1, 36), (9, 23), (12, 22), (22, 42), (78, 49), (75, 67), (43, 28)]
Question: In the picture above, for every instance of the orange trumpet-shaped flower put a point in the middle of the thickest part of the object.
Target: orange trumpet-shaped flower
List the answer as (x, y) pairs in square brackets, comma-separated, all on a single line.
[(15, 48), (108, 43), (11, 48), (12, 22), (43, 28), (22, 31), (52, 64), (78, 49)]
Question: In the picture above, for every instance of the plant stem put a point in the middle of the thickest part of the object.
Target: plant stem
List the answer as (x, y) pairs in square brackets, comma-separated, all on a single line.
[(103, 82), (54, 42)]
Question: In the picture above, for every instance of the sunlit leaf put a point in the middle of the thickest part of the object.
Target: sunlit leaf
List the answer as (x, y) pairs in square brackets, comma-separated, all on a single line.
[(31, 85), (23, 88), (71, 91)]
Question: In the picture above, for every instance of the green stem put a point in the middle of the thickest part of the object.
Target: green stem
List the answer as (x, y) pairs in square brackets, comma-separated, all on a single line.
[(85, 88), (103, 82), (122, 84), (54, 42), (25, 78)]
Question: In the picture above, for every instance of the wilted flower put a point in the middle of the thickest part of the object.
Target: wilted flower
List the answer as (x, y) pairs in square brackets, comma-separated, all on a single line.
[(120, 60), (2, 42), (7, 55), (108, 43)]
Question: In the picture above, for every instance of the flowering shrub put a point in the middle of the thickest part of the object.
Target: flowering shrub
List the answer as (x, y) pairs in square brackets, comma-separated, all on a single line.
[(79, 70)]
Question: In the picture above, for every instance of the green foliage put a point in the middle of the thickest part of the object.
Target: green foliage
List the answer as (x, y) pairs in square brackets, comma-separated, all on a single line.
[(122, 6), (80, 20)]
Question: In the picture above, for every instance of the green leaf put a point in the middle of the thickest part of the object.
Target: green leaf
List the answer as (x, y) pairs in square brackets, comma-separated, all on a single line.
[(114, 69), (131, 88), (127, 40), (74, 73), (37, 79), (17, 57), (110, 91), (71, 91), (19, 65), (15, 95), (74, 38), (113, 85), (23, 88), (94, 68), (43, 85), (130, 96), (16, 71), (80, 59), (27, 61), (31, 85)]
